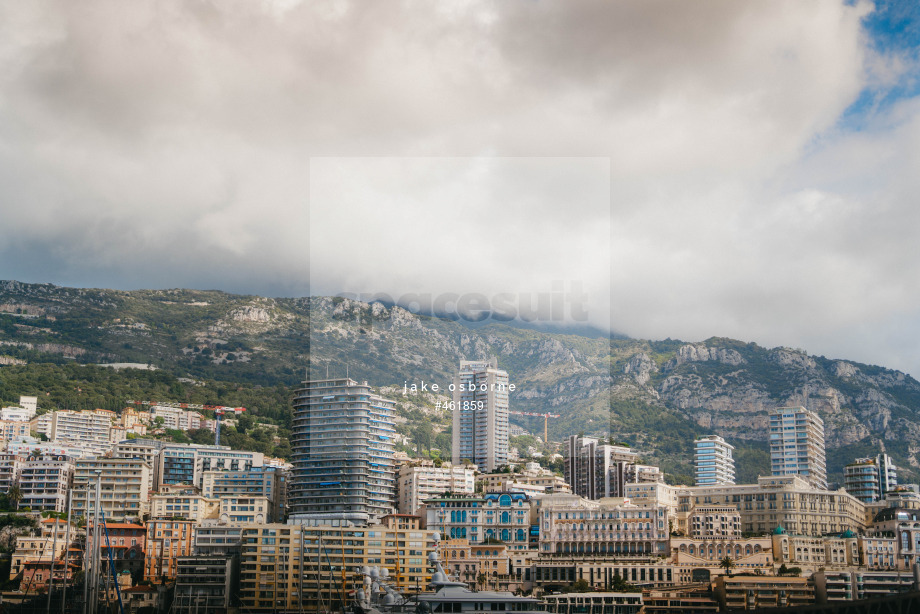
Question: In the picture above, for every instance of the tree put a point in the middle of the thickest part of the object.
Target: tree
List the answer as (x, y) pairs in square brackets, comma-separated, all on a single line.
[(14, 495), (481, 579), (579, 586), (423, 434), (620, 585), (244, 422), (727, 564)]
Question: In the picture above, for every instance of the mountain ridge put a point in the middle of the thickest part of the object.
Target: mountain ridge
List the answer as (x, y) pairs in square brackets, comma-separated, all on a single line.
[(654, 395)]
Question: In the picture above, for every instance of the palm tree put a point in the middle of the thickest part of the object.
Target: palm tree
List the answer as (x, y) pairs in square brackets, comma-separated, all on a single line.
[(14, 495), (727, 564)]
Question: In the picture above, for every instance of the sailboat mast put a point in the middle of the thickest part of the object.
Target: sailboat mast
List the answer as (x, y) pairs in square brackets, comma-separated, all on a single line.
[(66, 554)]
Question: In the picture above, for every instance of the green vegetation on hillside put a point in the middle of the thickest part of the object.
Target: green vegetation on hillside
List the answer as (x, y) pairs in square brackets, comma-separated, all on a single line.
[(77, 387), (252, 351)]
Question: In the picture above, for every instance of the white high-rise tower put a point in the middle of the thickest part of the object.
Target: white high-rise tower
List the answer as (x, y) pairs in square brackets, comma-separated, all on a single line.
[(342, 444), (797, 445), (480, 427), (713, 460)]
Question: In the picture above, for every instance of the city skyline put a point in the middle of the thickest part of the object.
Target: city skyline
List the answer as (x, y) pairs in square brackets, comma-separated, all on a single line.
[(459, 305)]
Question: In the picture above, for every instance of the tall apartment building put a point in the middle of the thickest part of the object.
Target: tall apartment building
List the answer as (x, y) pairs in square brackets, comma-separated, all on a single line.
[(187, 463), (713, 461), (797, 445), (87, 426), (44, 482), (258, 482), (480, 416), (125, 487), (595, 470), (870, 479), (342, 444), (286, 568), (417, 483)]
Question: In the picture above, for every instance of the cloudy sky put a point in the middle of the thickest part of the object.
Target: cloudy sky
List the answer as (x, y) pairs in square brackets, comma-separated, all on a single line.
[(699, 168)]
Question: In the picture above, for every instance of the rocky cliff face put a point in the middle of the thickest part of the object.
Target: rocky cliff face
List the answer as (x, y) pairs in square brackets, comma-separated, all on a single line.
[(727, 387), (654, 394)]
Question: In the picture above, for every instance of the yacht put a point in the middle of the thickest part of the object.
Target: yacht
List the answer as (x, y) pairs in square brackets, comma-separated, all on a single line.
[(447, 596)]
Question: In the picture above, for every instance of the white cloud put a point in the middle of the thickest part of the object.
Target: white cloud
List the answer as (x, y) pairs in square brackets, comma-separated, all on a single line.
[(169, 143)]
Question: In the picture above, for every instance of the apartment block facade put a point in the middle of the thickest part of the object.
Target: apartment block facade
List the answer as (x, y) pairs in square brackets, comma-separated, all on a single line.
[(299, 568), (265, 482), (125, 487), (788, 502), (870, 479), (167, 541), (418, 482), (87, 426), (183, 502), (205, 584), (176, 418), (609, 527), (14, 429), (44, 482), (187, 463)]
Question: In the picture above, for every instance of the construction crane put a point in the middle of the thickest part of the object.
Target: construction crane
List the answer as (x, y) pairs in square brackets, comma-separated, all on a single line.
[(219, 411), (545, 417)]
